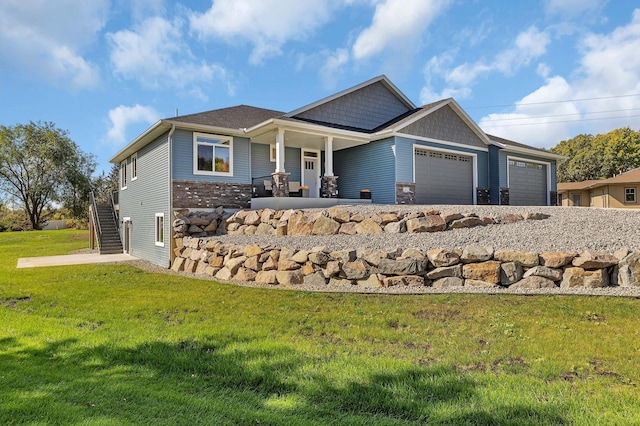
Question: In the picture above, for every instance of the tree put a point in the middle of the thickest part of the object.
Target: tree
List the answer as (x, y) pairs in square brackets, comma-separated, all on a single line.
[(40, 165), (598, 157), (105, 184)]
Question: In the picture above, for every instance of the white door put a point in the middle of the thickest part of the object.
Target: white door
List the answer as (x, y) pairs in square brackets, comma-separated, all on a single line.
[(311, 172)]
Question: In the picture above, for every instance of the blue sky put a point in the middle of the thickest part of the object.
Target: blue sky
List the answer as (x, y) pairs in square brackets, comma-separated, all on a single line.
[(105, 70)]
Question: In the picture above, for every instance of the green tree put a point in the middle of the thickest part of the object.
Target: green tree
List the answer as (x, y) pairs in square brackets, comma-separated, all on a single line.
[(40, 165), (598, 157), (105, 184)]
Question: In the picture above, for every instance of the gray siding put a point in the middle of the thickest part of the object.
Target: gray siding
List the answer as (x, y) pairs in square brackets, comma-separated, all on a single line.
[(404, 159), (444, 124), (370, 166), (262, 166), (183, 160), (365, 108), (146, 196)]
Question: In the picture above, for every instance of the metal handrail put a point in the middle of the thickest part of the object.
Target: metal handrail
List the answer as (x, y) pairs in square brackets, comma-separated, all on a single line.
[(96, 221)]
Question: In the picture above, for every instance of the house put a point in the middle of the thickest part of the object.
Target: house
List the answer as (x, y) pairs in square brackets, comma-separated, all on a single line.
[(617, 192), (370, 136)]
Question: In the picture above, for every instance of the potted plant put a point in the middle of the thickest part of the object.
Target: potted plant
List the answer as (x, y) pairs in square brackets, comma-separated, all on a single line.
[(305, 191), (365, 194)]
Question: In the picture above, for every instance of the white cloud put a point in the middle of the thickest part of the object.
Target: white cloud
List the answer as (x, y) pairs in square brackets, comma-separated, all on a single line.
[(155, 54), (396, 24), (123, 116), (458, 81), (46, 38), (609, 68), (569, 8), (332, 66), (266, 24)]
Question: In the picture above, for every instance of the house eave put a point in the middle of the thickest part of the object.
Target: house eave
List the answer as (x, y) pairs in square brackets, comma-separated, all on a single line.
[(534, 152)]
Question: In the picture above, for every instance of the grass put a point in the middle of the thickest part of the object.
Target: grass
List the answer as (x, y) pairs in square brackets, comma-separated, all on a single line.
[(111, 345)]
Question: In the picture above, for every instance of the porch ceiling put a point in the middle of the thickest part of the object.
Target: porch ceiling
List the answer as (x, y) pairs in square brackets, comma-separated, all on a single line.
[(298, 139)]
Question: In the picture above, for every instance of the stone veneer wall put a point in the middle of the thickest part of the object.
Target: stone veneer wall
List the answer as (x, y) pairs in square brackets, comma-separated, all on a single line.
[(473, 266), (210, 195)]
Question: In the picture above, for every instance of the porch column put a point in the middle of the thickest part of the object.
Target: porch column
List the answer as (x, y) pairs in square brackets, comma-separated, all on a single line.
[(280, 151), (328, 182), (280, 179), (328, 155)]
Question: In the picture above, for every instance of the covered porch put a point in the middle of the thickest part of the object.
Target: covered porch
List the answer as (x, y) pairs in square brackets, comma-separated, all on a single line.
[(298, 165)]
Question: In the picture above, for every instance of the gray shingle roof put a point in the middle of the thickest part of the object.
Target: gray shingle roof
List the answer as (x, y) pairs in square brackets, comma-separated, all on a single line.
[(508, 142), (237, 117)]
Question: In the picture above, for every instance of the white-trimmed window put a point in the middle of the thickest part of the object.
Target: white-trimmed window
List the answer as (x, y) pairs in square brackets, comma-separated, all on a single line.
[(134, 167), (123, 174), (629, 195), (159, 229), (212, 155)]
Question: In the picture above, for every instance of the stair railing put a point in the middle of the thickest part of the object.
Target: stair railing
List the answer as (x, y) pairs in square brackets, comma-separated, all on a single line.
[(96, 220), (113, 208)]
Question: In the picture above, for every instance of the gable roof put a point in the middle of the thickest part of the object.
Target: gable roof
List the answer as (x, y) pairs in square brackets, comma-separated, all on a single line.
[(381, 79), (236, 117), (514, 146), (630, 177)]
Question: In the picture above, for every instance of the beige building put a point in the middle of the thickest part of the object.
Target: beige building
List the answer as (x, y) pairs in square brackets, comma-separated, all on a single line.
[(617, 192)]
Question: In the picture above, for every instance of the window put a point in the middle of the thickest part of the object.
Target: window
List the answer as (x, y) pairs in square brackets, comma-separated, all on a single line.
[(160, 229), (134, 167), (629, 195), (577, 199), (123, 175), (212, 155), (272, 153)]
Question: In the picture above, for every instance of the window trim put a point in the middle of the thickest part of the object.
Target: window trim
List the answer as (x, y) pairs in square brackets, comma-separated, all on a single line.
[(634, 192), (134, 166), (159, 237), (123, 174), (272, 153), (196, 143)]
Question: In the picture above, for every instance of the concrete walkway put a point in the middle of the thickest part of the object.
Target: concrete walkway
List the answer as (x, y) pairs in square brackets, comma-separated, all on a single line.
[(73, 259)]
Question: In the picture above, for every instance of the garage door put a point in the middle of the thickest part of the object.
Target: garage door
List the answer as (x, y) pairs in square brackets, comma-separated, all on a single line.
[(527, 183), (443, 178)]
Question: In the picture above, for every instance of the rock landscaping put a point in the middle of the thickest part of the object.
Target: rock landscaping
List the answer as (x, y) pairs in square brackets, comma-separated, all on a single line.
[(335, 221), (218, 245)]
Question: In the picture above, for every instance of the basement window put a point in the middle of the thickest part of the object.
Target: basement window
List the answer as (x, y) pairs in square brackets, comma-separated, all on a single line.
[(160, 229), (629, 195), (212, 155)]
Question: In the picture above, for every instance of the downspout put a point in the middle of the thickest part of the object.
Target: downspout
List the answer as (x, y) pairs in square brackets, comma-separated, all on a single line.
[(172, 255)]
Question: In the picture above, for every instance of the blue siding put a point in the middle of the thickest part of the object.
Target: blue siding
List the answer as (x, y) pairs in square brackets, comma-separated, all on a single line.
[(494, 174), (370, 166), (183, 160), (404, 159), (146, 196), (262, 166)]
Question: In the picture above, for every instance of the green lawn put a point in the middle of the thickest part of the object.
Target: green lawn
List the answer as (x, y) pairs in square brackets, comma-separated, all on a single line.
[(111, 345)]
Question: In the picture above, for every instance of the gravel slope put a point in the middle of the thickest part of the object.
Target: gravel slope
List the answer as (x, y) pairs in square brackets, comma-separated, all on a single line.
[(567, 229)]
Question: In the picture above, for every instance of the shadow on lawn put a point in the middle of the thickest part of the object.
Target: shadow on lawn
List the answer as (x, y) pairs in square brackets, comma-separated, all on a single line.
[(213, 383)]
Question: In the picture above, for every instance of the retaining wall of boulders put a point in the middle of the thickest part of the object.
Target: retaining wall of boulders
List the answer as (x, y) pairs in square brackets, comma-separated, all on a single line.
[(473, 266), (336, 220)]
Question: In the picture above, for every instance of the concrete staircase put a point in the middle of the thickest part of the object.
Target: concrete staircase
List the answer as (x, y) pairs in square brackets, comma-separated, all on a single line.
[(109, 240)]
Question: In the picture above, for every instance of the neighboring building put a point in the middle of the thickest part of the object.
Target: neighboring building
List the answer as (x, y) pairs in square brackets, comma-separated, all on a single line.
[(369, 136), (617, 192)]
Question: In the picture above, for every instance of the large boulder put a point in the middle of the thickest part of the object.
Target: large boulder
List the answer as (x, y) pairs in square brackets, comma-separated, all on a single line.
[(556, 259), (629, 271), (404, 281), (442, 257), (325, 226), (368, 226), (484, 271), (476, 253), (589, 259), (290, 277), (510, 272), (445, 271), (430, 223), (356, 270), (545, 272), (534, 282), (525, 258), (579, 277), (447, 282), (402, 267)]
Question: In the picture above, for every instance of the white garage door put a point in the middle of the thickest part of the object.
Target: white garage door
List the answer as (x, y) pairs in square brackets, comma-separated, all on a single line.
[(443, 178), (527, 183)]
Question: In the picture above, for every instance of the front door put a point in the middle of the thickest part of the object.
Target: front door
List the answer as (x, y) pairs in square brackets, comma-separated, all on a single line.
[(311, 172)]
